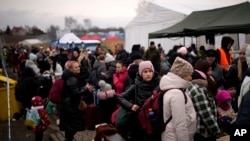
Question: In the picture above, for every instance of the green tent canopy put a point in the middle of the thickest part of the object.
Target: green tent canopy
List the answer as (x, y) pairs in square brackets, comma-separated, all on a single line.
[(231, 19)]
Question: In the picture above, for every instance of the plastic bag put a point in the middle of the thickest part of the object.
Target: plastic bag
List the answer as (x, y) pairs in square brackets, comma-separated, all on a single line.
[(32, 118)]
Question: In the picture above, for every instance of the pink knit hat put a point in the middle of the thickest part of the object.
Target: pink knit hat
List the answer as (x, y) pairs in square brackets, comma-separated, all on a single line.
[(182, 50), (145, 65), (221, 97)]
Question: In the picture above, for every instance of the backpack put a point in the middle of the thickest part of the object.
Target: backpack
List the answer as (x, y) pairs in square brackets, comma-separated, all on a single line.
[(55, 93), (151, 113)]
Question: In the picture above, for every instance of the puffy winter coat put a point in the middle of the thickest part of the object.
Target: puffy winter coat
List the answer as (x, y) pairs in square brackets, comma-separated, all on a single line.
[(182, 127), (71, 117)]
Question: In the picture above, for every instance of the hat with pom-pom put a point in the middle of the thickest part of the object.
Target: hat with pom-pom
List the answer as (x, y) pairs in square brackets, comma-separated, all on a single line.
[(104, 86), (37, 101)]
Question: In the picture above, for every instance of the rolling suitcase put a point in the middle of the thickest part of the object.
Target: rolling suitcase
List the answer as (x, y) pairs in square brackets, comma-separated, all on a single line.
[(93, 115)]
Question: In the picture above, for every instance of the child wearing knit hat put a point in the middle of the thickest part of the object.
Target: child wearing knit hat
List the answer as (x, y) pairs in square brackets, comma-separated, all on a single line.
[(146, 81), (225, 111)]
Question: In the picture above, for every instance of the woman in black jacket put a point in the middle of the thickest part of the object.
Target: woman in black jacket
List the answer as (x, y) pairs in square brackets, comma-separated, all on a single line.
[(134, 97), (27, 87), (71, 116)]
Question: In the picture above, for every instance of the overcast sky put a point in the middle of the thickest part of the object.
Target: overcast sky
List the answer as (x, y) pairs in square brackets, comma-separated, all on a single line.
[(102, 13)]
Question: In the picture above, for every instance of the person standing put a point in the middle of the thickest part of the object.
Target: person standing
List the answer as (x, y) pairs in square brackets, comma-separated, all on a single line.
[(37, 104), (202, 93), (152, 54), (119, 77), (121, 55), (55, 68), (217, 70), (182, 126), (133, 98), (71, 116), (225, 58)]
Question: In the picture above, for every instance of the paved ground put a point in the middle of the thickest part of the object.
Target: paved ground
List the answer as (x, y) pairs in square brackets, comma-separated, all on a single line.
[(20, 133)]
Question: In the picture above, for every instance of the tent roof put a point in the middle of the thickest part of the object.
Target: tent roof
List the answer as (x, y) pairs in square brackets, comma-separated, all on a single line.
[(154, 14), (69, 38), (30, 42), (231, 19)]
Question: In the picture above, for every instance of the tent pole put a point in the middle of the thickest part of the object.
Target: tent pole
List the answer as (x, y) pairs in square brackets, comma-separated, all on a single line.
[(184, 41), (238, 41)]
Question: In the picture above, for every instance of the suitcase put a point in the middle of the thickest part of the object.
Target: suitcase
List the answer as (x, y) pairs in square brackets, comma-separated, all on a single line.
[(93, 115)]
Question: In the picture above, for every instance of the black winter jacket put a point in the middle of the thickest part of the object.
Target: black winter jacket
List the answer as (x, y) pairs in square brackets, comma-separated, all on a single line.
[(139, 92), (27, 86), (71, 117), (243, 115), (122, 56)]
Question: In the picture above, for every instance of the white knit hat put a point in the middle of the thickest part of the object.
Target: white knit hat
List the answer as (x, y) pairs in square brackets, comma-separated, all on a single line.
[(108, 58)]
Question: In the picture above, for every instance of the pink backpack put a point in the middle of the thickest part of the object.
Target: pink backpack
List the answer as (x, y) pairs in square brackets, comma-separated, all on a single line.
[(55, 94)]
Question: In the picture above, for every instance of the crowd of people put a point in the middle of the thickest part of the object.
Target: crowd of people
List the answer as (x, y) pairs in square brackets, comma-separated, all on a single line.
[(215, 84)]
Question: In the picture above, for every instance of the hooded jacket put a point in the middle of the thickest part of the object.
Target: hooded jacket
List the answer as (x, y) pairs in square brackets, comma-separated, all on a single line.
[(182, 127), (224, 55)]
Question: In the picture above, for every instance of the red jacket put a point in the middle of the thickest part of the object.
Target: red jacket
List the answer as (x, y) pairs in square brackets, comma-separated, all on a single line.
[(118, 80), (44, 121)]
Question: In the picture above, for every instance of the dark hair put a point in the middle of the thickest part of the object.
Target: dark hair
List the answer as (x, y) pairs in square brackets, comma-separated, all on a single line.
[(152, 43), (204, 66), (120, 62), (225, 41), (202, 48), (77, 50), (101, 57), (27, 72), (54, 62)]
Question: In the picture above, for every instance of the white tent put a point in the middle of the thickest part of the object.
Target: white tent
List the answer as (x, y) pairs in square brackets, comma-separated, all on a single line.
[(29, 42), (152, 18), (69, 38)]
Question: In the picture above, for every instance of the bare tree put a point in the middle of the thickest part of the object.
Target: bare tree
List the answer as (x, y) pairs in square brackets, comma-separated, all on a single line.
[(27, 28), (8, 30), (51, 31), (142, 4), (70, 22), (79, 27), (87, 24)]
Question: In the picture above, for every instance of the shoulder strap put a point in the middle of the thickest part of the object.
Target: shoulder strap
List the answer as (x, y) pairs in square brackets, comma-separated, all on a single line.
[(185, 96)]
